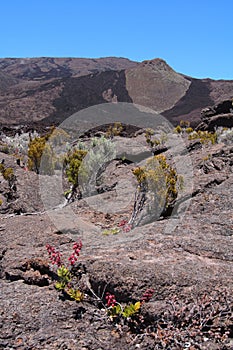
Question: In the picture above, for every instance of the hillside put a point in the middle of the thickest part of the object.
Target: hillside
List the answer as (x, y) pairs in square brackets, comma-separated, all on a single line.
[(49, 90)]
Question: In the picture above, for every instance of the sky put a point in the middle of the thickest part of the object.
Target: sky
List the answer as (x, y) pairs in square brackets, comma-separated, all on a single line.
[(195, 37)]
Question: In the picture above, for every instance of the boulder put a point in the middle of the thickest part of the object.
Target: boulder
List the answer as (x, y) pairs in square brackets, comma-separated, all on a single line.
[(218, 115)]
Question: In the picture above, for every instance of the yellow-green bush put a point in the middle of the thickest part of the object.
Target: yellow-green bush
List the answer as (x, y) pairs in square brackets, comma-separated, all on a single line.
[(114, 130), (156, 140), (37, 148), (159, 177), (184, 126), (178, 129), (205, 137), (189, 130), (73, 163), (7, 173)]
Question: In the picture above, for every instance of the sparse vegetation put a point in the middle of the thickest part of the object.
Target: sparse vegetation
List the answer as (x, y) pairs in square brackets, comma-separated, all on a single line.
[(205, 137), (183, 126), (181, 324), (156, 140)]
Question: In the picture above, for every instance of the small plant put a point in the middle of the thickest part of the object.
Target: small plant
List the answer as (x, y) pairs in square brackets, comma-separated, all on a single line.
[(184, 126), (111, 231), (114, 130), (156, 141), (178, 129), (126, 311), (115, 309), (66, 278), (8, 175)]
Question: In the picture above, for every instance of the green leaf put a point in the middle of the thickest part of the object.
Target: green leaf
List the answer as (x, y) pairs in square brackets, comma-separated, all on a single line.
[(115, 311), (64, 273), (60, 285), (137, 305), (75, 294), (111, 231), (130, 310)]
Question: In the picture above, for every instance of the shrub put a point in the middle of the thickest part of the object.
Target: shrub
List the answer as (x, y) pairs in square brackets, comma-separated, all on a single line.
[(7, 173), (178, 129), (73, 163), (189, 130), (160, 139), (57, 137), (205, 137), (114, 130), (156, 173), (183, 126), (36, 148), (4, 148), (184, 123)]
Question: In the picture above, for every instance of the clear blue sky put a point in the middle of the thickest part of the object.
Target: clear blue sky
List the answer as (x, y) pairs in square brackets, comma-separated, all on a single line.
[(195, 37)]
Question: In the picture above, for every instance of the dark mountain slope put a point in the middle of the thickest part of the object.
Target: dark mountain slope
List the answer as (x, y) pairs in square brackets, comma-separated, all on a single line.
[(51, 89)]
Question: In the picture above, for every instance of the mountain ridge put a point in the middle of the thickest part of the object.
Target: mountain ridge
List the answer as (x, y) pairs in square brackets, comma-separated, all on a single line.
[(48, 89)]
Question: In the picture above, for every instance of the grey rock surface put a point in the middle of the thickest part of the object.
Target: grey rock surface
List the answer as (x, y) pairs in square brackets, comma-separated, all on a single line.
[(186, 255)]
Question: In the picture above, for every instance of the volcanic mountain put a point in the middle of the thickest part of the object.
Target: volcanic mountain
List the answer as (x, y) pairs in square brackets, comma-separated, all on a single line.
[(48, 90)]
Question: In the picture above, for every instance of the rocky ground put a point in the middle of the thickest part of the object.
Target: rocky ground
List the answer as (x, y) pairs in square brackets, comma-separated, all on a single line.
[(186, 258)]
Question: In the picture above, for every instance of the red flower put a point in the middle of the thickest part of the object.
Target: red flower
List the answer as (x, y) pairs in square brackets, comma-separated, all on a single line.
[(54, 256), (147, 295), (127, 228), (122, 223), (111, 300)]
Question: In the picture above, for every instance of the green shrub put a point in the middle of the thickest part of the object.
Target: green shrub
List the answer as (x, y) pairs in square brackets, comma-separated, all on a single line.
[(35, 151), (205, 137), (156, 140), (73, 163), (156, 173), (4, 148), (189, 130), (178, 129), (114, 130), (7, 173), (183, 126)]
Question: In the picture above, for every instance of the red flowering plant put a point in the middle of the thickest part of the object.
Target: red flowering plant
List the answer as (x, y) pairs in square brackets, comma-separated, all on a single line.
[(125, 226), (115, 309), (66, 279)]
